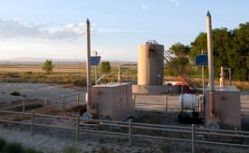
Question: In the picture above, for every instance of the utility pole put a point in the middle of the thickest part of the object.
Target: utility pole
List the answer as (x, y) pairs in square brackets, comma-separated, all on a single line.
[(95, 67), (119, 74), (210, 65), (203, 75), (88, 63)]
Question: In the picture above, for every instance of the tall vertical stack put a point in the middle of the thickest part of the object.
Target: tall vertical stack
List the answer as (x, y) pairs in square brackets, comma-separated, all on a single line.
[(211, 102), (150, 64), (150, 69), (88, 63), (222, 103)]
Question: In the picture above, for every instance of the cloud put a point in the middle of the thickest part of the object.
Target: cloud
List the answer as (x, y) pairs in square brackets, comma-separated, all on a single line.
[(119, 30), (144, 7), (14, 29), (176, 2), (67, 31)]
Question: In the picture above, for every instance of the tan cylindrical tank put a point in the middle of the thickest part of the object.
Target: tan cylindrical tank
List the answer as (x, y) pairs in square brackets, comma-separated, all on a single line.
[(150, 64)]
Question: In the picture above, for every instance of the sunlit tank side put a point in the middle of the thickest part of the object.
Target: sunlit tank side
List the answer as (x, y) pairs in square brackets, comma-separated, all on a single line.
[(150, 64)]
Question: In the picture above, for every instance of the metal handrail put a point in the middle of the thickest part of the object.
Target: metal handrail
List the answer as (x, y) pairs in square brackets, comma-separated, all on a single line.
[(136, 125)]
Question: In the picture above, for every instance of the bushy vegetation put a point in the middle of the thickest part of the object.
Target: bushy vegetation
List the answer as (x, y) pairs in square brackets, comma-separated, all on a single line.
[(48, 66), (105, 67), (231, 49), (15, 93), (6, 147), (72, 148), (179, 65), (27, 107), (165, 148), (77, 79)]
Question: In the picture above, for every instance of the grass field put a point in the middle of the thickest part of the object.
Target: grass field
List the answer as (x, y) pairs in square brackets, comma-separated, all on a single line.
[(74, 74)]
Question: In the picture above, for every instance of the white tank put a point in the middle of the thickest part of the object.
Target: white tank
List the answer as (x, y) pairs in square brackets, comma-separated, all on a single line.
[(150, 64), (187, 101)]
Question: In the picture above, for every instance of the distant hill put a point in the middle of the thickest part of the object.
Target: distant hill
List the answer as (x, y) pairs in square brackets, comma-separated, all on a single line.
[(30, 60)]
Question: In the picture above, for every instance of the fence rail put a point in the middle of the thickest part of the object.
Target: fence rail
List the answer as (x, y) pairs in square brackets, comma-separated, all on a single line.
[(168, 103), (157, 103), (59, 102), (137, 130)]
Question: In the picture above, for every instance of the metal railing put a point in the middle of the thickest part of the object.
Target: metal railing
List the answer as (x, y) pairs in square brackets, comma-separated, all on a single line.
[(194, 135), (58, 102), (168, 103)]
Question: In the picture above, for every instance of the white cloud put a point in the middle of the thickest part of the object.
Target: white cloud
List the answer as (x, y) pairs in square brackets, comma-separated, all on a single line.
[(15, 29), (65, 41), (144, 7), (40, 48), (176, 2)]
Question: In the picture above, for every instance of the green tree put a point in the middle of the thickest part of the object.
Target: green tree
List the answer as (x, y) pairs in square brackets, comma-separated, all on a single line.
[(179, 49), (179, 65), (105, 67), (240, 52), (48, 66), (199, 44), (231, 49)]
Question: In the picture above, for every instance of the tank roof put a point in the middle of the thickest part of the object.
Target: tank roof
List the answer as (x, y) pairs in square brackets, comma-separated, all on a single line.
[(108, 85)]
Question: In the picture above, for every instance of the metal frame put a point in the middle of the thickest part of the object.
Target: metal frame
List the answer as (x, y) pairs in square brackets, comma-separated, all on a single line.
[(131, 127)]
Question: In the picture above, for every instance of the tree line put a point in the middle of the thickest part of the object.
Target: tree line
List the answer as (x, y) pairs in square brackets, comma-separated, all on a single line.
[(231, 49)]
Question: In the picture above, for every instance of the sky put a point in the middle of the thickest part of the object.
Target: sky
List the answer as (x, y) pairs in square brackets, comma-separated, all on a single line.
[(54, 29)]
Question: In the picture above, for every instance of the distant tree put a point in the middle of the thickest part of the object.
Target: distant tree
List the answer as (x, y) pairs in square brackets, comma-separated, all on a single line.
[(179, 65), (48, 66), (240, 52), (231, 49), (105, 67), (179, 49), (199, 44)]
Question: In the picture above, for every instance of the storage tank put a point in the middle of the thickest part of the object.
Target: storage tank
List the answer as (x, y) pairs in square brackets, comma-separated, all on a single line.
[(150, 64), (187, 102)]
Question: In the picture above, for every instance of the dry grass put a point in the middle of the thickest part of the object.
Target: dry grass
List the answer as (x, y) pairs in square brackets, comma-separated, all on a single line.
[(241, 84), (39, 69), (75, 74)]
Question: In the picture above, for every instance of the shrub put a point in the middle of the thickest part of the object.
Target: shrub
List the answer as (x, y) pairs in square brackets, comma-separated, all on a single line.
[(2, 145), (72, 148), (105, 67), (48, 66), (165, 148), (31, 151), (15, 93), (14, 148), (6, 147)]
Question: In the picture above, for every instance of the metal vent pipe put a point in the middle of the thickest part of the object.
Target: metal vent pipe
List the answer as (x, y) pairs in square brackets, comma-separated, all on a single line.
[(210, 64), (88, 63)]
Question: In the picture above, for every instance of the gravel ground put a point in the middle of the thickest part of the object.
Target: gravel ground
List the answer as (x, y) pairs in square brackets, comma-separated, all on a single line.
[(49, 144), (50, 141), (34, 90), (105, 144)]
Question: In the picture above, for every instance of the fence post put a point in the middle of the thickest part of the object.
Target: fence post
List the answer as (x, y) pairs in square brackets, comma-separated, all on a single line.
[(77, 127), (23, 108), (130, 132), (193, 138), (63, 103), (46, 105), (166, 104), (32, 123), (78, 98)]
